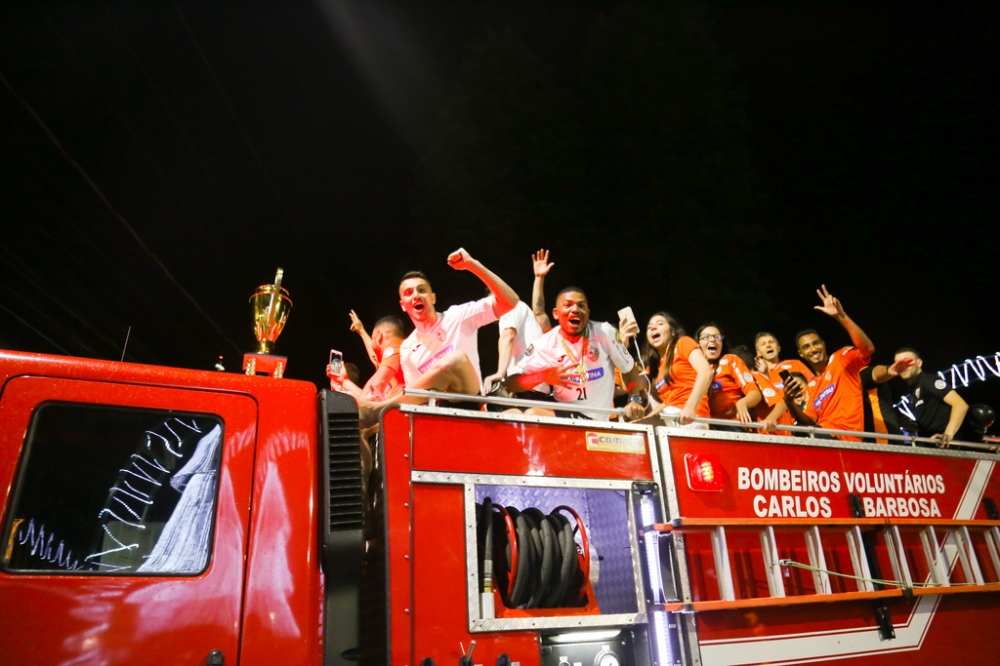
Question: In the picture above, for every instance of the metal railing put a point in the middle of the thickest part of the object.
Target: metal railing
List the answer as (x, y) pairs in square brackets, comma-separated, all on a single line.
[(434, 398)]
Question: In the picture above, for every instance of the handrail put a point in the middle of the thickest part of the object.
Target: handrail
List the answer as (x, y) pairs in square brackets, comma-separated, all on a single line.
[(811, 431), (508, 402)]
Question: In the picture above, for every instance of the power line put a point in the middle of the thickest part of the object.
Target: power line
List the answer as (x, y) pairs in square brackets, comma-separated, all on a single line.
[(100, 194)]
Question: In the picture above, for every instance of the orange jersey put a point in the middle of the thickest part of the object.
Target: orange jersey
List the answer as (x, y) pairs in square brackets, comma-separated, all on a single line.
[(770, 397), (389, 358), (683, 376), (835, 395), (792, 365), (731, 382)]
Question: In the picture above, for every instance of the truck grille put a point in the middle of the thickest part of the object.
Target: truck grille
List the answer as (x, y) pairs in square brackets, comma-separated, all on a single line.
[(343, 487)]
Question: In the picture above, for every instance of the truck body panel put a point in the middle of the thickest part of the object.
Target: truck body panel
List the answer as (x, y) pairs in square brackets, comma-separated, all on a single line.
[(693, 547)]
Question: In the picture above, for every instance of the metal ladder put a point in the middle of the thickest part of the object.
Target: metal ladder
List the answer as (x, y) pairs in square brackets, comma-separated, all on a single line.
[(941, 558)]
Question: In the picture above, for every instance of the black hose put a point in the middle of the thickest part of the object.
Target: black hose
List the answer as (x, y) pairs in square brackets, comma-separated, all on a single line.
[(548, 568)]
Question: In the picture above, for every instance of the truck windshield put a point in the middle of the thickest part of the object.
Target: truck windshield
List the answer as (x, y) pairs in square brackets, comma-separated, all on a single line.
[(114, 490)]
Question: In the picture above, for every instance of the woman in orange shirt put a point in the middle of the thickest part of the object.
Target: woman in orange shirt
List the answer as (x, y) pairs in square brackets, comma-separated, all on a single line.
[(733, 392), (683, 374)]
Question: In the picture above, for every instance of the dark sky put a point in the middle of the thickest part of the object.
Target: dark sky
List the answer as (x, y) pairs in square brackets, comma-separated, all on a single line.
[(159, 160)]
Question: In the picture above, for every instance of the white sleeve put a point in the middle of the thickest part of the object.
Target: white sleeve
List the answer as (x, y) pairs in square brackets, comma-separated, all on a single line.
[(515, 318), (615, 350), (477, 313)]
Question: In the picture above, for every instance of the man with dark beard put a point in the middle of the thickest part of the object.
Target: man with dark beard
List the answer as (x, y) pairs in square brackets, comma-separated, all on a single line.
[(577, 360)]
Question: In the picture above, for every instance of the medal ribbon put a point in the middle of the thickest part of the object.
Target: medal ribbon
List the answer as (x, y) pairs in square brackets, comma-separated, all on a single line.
[(580, 363)]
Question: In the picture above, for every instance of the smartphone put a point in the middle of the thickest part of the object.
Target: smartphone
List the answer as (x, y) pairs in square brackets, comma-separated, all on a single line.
[(785, 375), (627, 314), (336, 361)]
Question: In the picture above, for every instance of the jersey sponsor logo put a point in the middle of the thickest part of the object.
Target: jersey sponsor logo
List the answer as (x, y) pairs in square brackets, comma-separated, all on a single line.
[(939, 384), (615, 442), (434, 359), (724, 361), (716, 386), (621, 348), (827, 392), (660, 384), (388, 352), (769, 393), (747, 377), (592, 374), (779, 385)]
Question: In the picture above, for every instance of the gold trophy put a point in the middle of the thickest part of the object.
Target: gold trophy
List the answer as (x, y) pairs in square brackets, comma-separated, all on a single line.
[(271, 306)]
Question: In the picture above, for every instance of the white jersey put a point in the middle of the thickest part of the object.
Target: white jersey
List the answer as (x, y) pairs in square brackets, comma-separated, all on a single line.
[(594, 386), (456, 329), (523, 321)]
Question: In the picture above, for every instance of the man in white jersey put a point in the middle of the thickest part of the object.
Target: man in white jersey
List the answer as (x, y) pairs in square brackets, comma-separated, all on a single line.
[(518, 330), (441, 354), (577, 359)]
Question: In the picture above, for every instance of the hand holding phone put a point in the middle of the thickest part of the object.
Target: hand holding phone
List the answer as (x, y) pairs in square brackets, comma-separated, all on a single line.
[(627, 325), (336, 361)]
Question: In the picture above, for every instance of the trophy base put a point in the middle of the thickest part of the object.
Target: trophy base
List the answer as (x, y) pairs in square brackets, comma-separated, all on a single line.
[(266, 365)]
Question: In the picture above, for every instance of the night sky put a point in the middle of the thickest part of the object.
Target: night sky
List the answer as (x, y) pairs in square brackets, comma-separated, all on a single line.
[(159, 160)]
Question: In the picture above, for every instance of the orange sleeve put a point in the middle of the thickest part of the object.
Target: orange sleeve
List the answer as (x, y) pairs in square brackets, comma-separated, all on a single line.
[(799, 366), (390, 356), (741, 373), (685, 346)]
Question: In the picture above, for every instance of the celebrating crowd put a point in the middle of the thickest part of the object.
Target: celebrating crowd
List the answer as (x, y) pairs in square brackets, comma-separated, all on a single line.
[(682, 379)]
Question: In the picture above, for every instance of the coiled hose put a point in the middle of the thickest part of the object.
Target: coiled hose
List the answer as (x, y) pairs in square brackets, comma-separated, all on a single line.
[(533, 556)]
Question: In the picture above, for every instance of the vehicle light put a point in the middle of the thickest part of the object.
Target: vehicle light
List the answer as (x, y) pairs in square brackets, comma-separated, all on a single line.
[(704, 471), (585, 636)]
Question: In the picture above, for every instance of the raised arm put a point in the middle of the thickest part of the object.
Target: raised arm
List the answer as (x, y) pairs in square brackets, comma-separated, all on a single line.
[(541, 266), (832, 306), (504, 298), (359, 328), (883, 373)]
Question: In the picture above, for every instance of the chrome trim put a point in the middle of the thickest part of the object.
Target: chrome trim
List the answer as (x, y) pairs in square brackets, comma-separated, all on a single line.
[(461, 478), (471, 555), (633, 544), (568, 622)]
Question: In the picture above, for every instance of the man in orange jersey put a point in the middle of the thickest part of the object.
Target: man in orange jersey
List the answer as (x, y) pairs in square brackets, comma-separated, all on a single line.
[(768, 361), (384, 343), (835, 394)]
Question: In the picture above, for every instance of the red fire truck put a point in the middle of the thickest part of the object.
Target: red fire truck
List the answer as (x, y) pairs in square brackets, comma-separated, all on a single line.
[(173, 516)]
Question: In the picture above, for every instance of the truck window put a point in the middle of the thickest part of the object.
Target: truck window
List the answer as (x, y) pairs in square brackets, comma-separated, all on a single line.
[(114, 491)]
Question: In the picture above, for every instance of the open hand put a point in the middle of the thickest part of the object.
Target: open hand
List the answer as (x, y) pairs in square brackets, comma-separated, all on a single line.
[(562, 375), (897, 368), (356, 325), (540, 263), (831, 305)]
